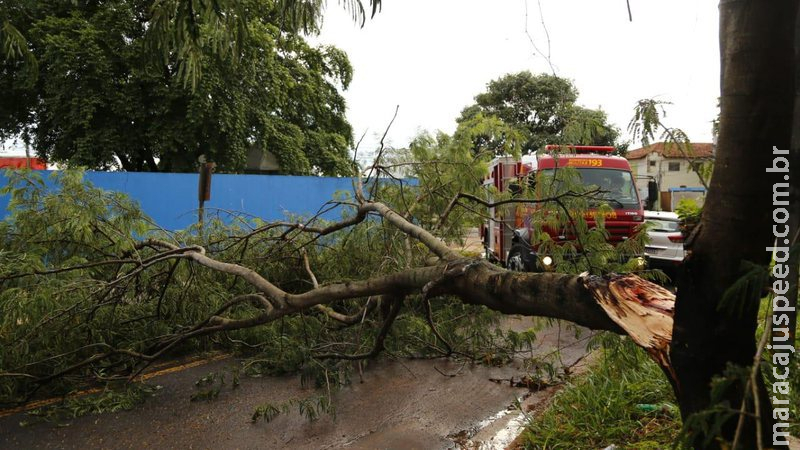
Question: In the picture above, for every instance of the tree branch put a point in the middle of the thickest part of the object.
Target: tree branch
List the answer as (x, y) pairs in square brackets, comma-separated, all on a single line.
[(396, 303)]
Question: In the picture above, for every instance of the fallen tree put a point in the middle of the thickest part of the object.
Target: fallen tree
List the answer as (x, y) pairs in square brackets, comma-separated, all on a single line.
[(94, 278), (713, 331)]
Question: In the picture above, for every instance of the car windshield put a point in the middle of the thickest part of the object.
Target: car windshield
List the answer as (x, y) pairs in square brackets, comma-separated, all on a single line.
[(663, 225), (614, 185)]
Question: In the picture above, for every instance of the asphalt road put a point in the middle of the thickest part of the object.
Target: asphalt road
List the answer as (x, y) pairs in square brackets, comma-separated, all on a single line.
[(399, 404)]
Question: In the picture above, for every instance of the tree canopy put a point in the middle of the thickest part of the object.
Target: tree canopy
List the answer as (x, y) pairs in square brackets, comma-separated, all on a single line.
[(540, 109), (93, 92)]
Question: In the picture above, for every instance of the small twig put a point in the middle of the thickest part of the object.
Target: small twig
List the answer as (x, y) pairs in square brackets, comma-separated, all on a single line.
[(355, 149), (569, 194), (164, 287), (530, 38), (752, 383), (307, 266), (376, 164), (71, 268), (432, 325), (451, 375), (577, 235), (546, 33)]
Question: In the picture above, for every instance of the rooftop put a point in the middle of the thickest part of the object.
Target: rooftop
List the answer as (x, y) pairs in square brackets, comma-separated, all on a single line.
[(698, 150)]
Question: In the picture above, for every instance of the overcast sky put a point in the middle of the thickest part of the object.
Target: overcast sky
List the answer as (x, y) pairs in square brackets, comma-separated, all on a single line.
[(431, 57)]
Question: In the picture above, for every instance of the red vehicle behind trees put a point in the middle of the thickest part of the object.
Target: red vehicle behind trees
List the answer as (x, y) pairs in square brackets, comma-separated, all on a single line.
[(22, 163), (507, 235)]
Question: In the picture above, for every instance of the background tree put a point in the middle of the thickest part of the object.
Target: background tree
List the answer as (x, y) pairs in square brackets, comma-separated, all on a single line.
[(541, 108), (489, 135), (101, 97)]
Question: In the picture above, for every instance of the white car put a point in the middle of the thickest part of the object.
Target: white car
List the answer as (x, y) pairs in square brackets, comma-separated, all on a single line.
[(665, 249)]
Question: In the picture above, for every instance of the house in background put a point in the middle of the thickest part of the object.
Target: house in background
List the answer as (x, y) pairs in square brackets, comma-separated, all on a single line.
[(669, 167), (260, 161)]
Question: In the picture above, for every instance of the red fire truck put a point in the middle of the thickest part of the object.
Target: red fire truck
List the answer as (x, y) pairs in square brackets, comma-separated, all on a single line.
[(507, 236), (21, 163)]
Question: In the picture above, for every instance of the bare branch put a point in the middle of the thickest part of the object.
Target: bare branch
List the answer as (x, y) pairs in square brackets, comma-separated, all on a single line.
[(433, 243), (353, 319), (488, 204), (306, 264), (107, 262), (533, 43), (377, 160), (395, 302), (434, 330)]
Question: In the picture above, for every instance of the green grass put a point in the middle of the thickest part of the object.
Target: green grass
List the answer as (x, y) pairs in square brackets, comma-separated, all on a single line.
[(607, 407)]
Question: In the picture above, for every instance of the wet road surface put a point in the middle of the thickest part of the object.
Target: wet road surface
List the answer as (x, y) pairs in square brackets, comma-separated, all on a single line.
[(404, 404)]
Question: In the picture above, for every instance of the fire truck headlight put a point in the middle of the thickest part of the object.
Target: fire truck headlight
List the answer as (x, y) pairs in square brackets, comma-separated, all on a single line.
[(547, 261)]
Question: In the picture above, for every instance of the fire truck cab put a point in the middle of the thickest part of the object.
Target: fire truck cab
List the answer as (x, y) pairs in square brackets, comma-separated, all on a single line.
[(507, 236)]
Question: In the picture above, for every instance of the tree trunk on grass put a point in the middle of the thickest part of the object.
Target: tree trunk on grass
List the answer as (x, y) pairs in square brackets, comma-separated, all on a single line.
[(757, 73), (794, 188)]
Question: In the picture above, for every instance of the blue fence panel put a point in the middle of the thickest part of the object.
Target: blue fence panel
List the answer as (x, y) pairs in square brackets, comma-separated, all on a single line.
[(171, 198)]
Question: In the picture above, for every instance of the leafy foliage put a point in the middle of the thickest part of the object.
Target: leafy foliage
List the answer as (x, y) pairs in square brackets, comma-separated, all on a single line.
[(451, 165), (110, 399), (489, 135), (534, 110), (102, 98), (210, 385), (68, 318), (311, 408), (688, 210), (443, 166), (736, 302), (580, 218), (84, 295), (176, 27)]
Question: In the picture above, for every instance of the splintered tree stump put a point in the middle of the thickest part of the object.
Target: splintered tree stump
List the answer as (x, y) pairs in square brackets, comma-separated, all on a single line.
[(642, 308)]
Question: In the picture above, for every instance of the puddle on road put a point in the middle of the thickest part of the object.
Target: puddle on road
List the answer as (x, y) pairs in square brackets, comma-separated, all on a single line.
[(501, 435), (500, 430)]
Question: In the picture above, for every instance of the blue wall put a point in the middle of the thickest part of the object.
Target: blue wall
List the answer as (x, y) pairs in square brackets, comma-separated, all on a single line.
[(171, 198)]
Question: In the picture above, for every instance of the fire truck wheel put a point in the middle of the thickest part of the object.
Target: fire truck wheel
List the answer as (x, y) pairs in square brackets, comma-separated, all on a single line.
[(517, 260)]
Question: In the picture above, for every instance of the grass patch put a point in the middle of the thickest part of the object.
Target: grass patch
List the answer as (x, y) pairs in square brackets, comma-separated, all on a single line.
[(626, 401)]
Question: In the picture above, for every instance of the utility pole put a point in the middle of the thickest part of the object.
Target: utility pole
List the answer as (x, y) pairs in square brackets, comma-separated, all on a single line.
[(204, 190)]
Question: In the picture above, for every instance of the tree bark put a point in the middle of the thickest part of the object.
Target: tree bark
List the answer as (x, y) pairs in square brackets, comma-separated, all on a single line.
[(757, 82), (794, 188)]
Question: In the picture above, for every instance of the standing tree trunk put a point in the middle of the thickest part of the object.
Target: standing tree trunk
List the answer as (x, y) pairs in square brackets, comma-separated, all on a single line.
[(794, 188), (757, 85)]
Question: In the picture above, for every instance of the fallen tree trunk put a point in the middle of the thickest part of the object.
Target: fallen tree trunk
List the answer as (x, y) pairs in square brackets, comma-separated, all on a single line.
[(620, 304)]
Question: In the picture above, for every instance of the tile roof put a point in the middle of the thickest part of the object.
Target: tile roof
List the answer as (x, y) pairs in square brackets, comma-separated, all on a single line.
[(699, 150)]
